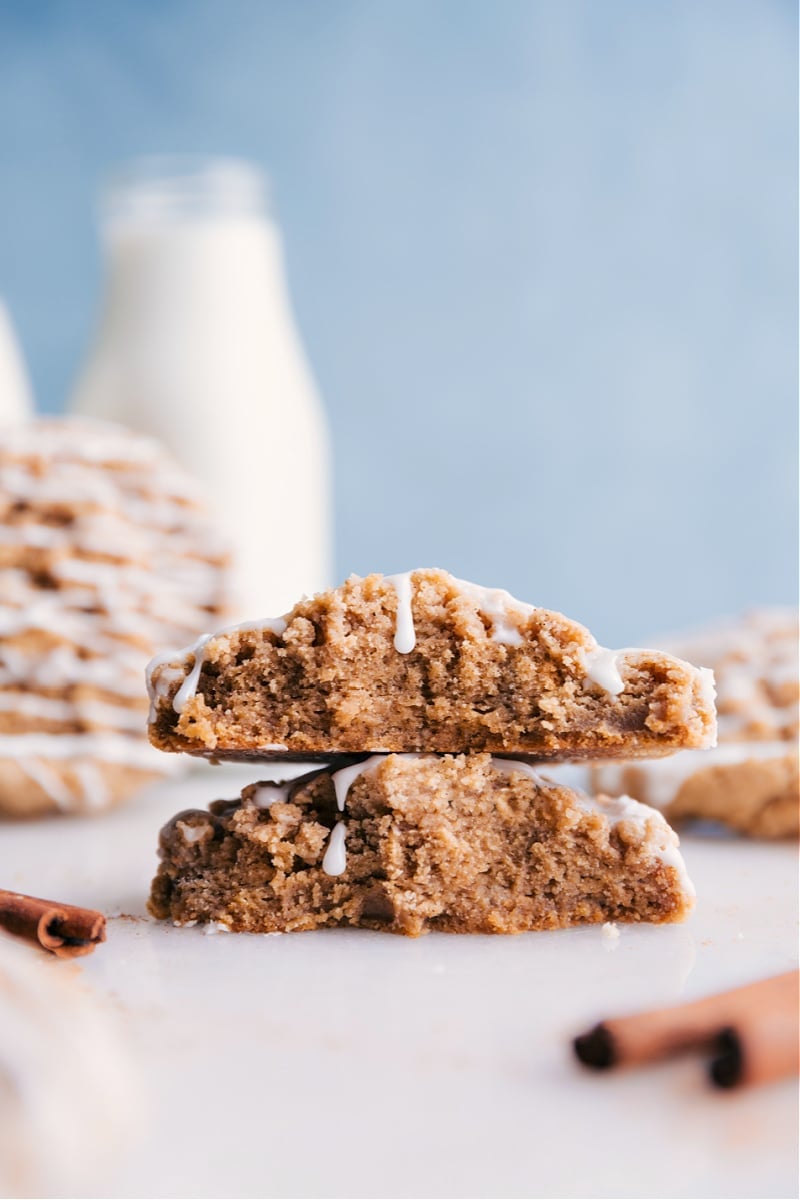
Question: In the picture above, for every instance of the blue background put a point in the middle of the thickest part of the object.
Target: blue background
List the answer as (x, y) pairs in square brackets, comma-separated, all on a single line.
[(543, 255)]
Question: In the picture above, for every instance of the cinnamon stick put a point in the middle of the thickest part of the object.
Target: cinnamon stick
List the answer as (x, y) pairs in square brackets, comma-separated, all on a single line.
[(750, 1032), (64, 929)]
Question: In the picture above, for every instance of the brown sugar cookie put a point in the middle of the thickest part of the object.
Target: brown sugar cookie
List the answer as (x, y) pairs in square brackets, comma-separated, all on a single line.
[(106, 556), (426, 663), (750, 781), (409, 843)]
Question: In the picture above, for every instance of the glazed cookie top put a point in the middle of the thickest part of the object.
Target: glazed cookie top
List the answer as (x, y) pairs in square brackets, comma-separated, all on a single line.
[(106, 555), (429, 663)]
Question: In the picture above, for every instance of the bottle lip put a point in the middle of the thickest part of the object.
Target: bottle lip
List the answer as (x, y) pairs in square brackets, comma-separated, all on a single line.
[(167, 188)]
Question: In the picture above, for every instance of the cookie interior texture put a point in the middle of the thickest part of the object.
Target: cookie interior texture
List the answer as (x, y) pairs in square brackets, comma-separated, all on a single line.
[(466, 844), (424, 663)]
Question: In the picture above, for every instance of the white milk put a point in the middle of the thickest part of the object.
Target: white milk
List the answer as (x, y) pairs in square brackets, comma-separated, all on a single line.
[(16, 403), (197, 346)]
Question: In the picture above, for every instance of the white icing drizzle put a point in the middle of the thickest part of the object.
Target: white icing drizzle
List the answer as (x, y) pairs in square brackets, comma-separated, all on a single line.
[(516, 766), (189, 685), (82, 754), (671, 856), (213, 927), (624, 808), (158, 680), (494, 603), (159, 677), (267, 794), (63, 668), (49, 781), (498, 605), (708, 695), (137, 565), (92, 785), (193, 833), (344, 779), (335, 860), (96, 712), (602, 668), (405, 636)]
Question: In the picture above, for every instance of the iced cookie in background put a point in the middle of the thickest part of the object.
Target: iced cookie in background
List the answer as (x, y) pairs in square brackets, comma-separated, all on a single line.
[(408, 843), (750, 781), (70, 1101), (106, 556)]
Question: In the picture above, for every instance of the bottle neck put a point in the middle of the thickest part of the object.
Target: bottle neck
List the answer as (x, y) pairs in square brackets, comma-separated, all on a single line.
[(159, 191), (189, 226)]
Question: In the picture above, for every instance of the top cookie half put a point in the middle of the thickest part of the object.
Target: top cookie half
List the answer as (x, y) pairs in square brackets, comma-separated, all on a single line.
[(424, 662)]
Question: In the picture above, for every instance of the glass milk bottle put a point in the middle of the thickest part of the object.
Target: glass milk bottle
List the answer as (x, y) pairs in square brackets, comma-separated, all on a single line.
[(197, 346), (16, 403)]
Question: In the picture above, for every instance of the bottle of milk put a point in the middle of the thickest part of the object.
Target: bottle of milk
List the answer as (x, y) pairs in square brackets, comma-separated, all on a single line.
[(16, 403), (197, 346)]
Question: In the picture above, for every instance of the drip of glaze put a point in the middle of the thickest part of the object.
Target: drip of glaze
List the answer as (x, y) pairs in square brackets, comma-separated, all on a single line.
[(335, 860), (267, 794), (49, 781), (157, 687), (494, 603), (405, 636), (344, 779), (515, 766), (189, 685), (93, 787), (194, 833), (498, 604), (602, 668)]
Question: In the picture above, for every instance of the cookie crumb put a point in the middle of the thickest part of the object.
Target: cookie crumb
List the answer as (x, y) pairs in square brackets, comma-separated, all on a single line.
[(610, 934)]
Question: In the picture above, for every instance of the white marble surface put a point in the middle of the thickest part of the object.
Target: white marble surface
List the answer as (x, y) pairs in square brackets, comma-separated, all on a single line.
[(355, 1064)]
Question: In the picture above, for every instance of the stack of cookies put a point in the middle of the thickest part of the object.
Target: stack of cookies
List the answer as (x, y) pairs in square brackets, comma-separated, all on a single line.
[(106, 555), (420, 710)]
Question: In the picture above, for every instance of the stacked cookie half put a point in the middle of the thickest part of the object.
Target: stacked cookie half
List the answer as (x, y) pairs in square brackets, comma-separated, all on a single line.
[(423, 709)]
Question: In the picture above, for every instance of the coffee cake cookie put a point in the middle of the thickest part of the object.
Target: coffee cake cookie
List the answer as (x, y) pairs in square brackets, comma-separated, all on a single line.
[(106, 555), (427, 663), (409, 843), (750, 781)]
